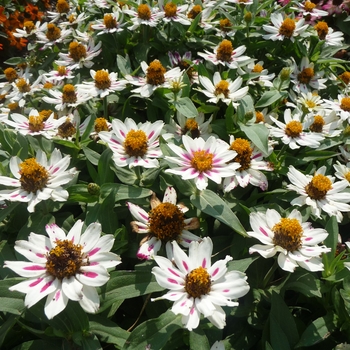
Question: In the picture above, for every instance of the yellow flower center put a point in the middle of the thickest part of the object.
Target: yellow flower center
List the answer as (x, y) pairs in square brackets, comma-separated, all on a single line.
[(12, 106), (293, 128), (306, 75), (101, 125), (225, 25), (109, 21), (28, 26), (22, 85), (347, 176), (36, 123), (345, 104), (345, 77), (48, 85), (66, 129), (144, 12), (71, 18), (135, 143), (318, 187), (45, 114), (65, 260), (258, 68), (192, 126), (69, 95), (10, 74), (102, 80), (170, 9), (287, 27), (62, 6), (310, 104), (317, 125), (53, 33), (196, 10), (61, 70), (77, 51), (287, 234), (155, 73), (202, 160), (322, 29), (309, 6), (244, 153), (166, 222), (224, 51), (197, 282), (259, 117), (34, 176), (221, 88)]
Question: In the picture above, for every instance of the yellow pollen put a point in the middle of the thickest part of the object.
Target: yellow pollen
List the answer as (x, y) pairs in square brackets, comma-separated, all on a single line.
[(310, 104), (77, 51), (196, 10), (293, 128), (318, 187), (258, 68), (109, 21), (101, 125), (144, 12), (65, 259), (61, 70), (69, 95), (345, 104), (244, 153), (170, 9), (347, 176), (259, 117), (29, 26), (36, 123), (66, 129), (287, 27), (34, 176), (12, 106), (155, 73), (288, 234), (224, 51), (71, 18), (45, 114), (221, 88), (136, 143), (192, 126), (10, 74), (309, 6), (48, 85), (166, 222), (306, 75), (322, 30), (102, 80), (197, 282), (53, 33), (317, 125), (345, 77), (22, 85), (62, 6), (202, 160), (225, 25)]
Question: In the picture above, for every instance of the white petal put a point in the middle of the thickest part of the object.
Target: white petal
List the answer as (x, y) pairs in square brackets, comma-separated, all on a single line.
[(90, 301), (55, 303)]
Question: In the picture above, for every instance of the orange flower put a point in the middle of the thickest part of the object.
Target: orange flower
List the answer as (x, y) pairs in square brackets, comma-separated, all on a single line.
[(33, 12), (3, 17)]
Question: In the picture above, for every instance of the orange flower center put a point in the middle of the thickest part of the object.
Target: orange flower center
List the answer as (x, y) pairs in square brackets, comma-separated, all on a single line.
[(77, 51), (345, 77), (36, 123), (306, 75), (196, 10), (221, 88), (224, 51), (202, 160), (170, 9), (22, 85), (101, 125), (69, 95), (198, 282), (309, 6), (259, 117), (135, 143), (317, 125), (293, 128), (287, 27), (192, 126), (34, 176), (322, 30), (345, 104), (244, 153), (144, 12), (61, 70), (62, 6), (53, 33), (155, 73), (109, 21), (258, 68), (10, 74), (102, 80), (28, 26), (288, 234), (225, 25), (318, 187), (66, 130)]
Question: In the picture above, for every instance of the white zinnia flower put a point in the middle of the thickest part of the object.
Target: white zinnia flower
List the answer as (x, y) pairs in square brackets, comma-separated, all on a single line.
[(37, 179), (109, 24), (295, 241), (64, 267), (198, 287)]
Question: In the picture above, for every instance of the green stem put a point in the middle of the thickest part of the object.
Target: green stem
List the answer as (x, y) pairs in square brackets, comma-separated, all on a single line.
[(270, 274)]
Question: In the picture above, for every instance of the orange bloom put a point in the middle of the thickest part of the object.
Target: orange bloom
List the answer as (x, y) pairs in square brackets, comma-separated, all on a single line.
[(3, 17), (33, 12)]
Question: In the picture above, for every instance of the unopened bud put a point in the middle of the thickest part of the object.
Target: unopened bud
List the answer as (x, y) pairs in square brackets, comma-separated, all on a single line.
[(93, 189), (285, 74)]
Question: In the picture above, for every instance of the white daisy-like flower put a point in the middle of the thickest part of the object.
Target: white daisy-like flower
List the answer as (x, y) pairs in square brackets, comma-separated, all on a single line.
[(284, 27), (201, 160), (144, 15), (164, 223), (49, 34), (342, 171), (224, 90), (326, 123), (104, 83), (170, 12), (29, 28), (306, 102), (80, 54), (309, 10), (305, 78), (134, 144), (296, 242), (258, 74), (38, 179), (341, 106), (156, 76), (185, 63), (63, 9), (59, 74), (226, 55), (64, 267), (251, 161), (109, 24), (320, 192), (330, 37), (196, 286), (292, 131), (224, 27), (74, 20)]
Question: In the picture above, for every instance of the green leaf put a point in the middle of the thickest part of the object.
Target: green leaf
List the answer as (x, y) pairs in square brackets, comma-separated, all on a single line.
[(105, 174), (241, 265), (92, 156), (154, 333), (14, 61), (80, 193), (318, 331), (6, 327), (123, 192), (39, 345), (198, 340), (268, 98), (245, 110), (258, 134), (186, 107), (210, 203), (11, 302), (305, 283)]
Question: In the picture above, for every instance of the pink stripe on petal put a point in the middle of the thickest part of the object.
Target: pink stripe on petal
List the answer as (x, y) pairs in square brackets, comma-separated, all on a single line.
[(143, 216), (47, 285), (39, 255), (225, 290), (150, 247), (122, 133), (94, 263), (174, 272), (151, 134), (215, 271), (36, 282), (263, 231), (56, 169), (172, 281), (90, 274), (204, 262), (94, 251), (192, 311), (185, 265), (57, 295), (308, 238), (34, 268)]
